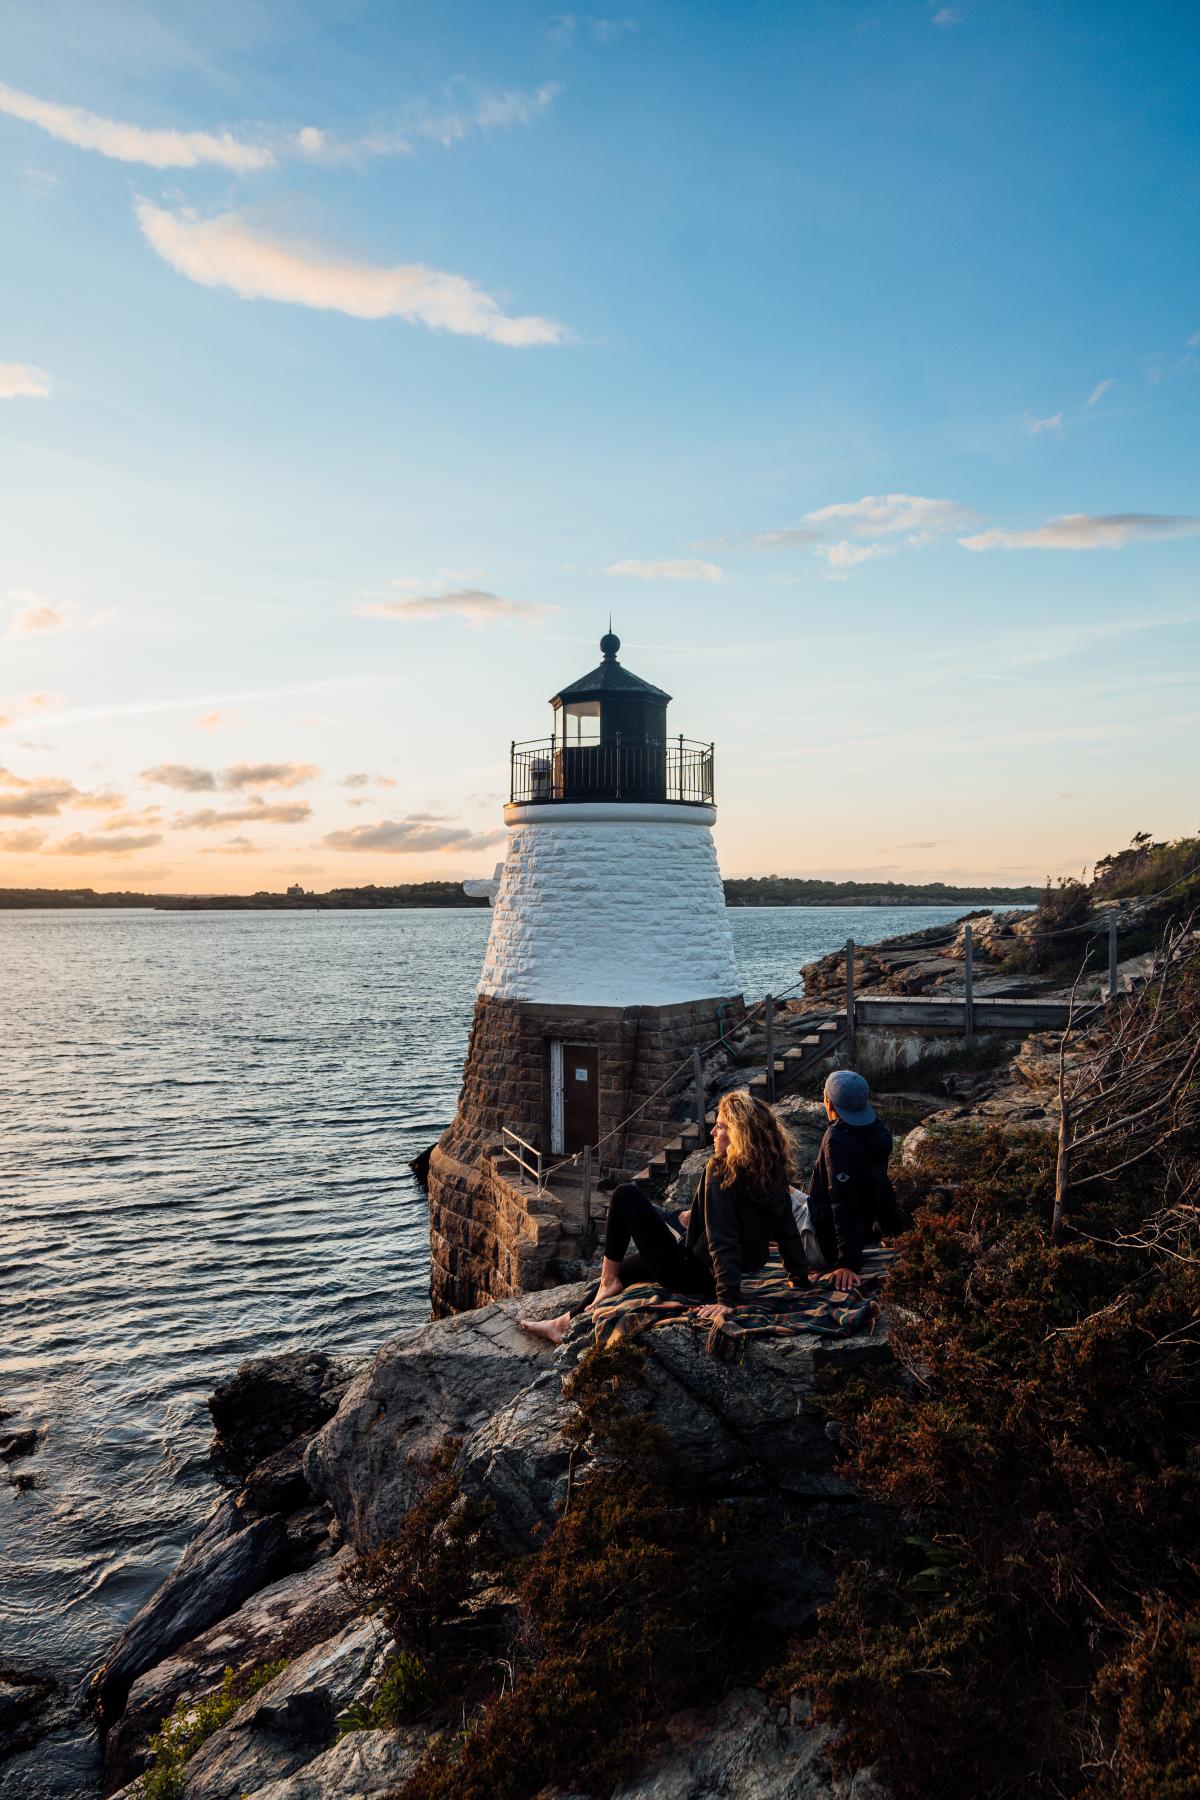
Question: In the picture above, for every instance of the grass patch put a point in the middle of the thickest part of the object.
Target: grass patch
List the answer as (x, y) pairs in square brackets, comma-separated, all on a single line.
[(191, 1723)]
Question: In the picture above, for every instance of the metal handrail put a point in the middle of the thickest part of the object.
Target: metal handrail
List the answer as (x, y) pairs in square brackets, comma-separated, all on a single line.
[(679, 771), (534, 1169)]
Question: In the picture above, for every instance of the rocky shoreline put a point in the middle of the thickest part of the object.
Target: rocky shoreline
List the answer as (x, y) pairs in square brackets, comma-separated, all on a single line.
[(324, 1460)]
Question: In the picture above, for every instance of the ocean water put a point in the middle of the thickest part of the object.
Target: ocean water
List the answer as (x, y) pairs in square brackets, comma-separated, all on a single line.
[(206, 1121)]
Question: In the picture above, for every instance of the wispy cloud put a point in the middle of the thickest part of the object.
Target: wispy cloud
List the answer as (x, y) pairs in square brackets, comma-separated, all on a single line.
[(186, 778), (24, 799), (105, 844), (462, 110), (946, 16), (411, 836), (21, 707), (158, 149), (227, 251), (845, 555), (850, 532), (363, 779), (276, 774), (214, 720), (36, 619), (1034, 426), (475, 605), (878, 514), (23, 381), (1088, 531), (21, 841), (673, 569), (234, 846), (256, 811), (565, 28), (1098, 392)]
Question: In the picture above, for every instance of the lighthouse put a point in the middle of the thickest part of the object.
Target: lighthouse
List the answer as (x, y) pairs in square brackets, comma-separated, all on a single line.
[(608, 961)]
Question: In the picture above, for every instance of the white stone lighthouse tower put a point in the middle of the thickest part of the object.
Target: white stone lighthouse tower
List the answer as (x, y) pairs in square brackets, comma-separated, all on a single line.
[(609, 959)]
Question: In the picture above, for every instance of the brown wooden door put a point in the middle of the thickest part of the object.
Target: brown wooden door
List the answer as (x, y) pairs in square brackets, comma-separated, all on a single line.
[(581, 1096)]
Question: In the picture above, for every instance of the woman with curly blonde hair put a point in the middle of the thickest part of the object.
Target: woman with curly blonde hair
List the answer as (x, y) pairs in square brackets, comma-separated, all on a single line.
[(741, 1206)]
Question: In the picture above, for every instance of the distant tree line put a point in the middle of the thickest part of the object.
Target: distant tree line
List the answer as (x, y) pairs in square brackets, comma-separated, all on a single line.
[(796, 890), (761, 890)]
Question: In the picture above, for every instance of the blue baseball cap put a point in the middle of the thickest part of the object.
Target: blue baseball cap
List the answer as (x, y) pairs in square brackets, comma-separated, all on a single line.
[(850, 1097)]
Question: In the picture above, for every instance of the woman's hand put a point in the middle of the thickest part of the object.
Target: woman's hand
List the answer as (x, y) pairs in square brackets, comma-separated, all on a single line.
[(844, 1279), (716, 1312), (685, 1217)]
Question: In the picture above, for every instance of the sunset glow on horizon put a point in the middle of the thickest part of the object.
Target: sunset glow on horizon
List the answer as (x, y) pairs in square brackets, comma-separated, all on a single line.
[(361, 366)]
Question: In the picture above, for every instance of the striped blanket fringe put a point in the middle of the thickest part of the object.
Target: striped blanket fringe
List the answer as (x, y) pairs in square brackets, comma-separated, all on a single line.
[(769, 1309)]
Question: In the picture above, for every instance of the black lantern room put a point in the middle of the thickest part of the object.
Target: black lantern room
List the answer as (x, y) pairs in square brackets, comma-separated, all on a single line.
[(610, 743)]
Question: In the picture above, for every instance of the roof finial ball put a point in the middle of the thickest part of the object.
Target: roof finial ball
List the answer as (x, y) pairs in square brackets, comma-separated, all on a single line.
[(610, 643)]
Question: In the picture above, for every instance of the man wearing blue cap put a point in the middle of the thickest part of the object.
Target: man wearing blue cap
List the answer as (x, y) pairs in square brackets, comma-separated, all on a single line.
[(851, 1197)]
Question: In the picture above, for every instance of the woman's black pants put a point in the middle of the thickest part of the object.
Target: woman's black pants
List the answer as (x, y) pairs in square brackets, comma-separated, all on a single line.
[(661, 1257)]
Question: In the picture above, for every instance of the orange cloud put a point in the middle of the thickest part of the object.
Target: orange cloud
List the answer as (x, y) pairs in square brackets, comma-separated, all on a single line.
[(105, 843), (256, 812)]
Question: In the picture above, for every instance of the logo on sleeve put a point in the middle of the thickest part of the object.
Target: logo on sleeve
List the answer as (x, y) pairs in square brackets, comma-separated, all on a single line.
[(843, 1178)]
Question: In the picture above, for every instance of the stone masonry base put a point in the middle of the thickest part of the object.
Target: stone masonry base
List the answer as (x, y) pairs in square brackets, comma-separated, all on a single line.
[(491, 1234)]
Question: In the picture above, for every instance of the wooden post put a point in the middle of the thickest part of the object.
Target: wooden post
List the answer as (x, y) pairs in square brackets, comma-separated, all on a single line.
[(851, 1021), (698, 1079), (587, 1192), (1112, 955), (969, 984), (770, 1016)]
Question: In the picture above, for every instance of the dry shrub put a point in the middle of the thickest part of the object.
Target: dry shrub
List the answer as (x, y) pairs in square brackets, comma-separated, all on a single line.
[(1042, 1439), (637, 1604)]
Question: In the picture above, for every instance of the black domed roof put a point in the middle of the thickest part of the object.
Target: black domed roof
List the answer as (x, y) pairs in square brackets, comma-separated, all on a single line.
[(609, 678)]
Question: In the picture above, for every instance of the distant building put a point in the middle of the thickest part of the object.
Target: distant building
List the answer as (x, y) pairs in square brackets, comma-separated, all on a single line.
[(295, 892)]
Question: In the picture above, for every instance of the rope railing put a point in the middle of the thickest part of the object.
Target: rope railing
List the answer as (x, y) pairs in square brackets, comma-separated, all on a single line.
[(1110, 926)]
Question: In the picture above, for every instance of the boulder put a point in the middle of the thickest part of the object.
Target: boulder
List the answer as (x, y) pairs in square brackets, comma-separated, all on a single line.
[(748, 1748), (227, 1562), (290, 1722), (359, 1766), (28, 1708), (745, 1426), (18, 1443), (269, 1402), (444, 1380), (284, 1619)]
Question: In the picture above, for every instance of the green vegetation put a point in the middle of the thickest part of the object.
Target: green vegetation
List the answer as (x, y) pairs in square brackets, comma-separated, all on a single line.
[(795, 890), (405, 1692), (1072, 916), (1034, 1626), (191, 1723)]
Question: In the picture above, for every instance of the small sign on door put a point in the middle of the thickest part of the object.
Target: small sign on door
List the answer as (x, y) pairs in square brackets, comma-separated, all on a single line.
[(581, 1074)]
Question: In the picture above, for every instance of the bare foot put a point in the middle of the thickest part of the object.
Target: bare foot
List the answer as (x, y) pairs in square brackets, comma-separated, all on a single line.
[(553, 1331)]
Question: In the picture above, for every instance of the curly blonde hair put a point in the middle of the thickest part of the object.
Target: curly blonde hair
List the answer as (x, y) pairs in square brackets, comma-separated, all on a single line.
[(757, 1149)]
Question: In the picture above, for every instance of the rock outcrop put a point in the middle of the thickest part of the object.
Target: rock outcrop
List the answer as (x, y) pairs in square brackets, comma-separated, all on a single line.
[(271, 1401), (748, 1429)]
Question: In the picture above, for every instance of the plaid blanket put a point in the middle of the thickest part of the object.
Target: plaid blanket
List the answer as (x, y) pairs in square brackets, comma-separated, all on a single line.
[(769, 1308)]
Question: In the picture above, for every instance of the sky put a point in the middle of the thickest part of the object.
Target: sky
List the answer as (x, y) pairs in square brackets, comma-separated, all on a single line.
[(358, 360)]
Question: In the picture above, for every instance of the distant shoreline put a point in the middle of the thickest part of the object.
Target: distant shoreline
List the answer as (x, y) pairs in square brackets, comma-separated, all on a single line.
[(760, 891)]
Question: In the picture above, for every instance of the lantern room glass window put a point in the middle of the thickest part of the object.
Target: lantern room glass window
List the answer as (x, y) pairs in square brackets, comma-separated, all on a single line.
[(580, 723)]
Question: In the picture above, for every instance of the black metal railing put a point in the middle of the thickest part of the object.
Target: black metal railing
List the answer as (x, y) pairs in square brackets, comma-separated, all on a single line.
[(545, 770)]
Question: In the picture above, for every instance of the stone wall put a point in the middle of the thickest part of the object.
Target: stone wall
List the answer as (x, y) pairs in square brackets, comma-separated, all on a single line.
[(491, 1234)]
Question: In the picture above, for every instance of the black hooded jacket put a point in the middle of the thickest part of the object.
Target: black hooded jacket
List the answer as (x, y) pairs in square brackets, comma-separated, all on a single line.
[(733, 1226), (850, 1196)]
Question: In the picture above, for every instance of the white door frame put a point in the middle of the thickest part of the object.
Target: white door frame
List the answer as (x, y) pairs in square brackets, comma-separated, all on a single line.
[(558, 1127)]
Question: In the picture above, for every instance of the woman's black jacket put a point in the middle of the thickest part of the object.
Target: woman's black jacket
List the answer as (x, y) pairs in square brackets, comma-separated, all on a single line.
[(733, 1226), (850, 1195)]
